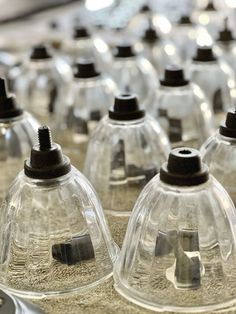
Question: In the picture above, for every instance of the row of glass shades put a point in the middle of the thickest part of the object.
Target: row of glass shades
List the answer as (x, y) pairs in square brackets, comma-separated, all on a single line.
[(181, 233)]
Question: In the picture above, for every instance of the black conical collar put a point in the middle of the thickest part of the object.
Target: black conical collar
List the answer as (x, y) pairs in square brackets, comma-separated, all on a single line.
[(46, 159), (8, 106)]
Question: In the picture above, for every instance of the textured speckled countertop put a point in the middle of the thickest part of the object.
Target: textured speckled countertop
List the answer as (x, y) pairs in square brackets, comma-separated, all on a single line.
[(101, 300)]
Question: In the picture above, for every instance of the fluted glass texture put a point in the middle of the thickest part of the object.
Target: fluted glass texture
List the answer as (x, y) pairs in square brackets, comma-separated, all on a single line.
[(211, 20), (160, 53), (54, 238), (216, 79), (93, 48), (227, 52), (186, 38), (219, 153), (185, 114), (136, 75), (88, 101), (17, 136), (179, 250), (122, 157), (41, 86)]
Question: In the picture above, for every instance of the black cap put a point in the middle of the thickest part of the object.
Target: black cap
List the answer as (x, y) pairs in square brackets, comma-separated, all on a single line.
[(210, 6), (126, 108), (46, 159), (85, 69), (145, 8), (226, 34), (185, 20), (150, 35), (174, 77), (184, 168), (8, 106), (80, 32), (124, 51), (40, 52), (229, 128), (204, 54)]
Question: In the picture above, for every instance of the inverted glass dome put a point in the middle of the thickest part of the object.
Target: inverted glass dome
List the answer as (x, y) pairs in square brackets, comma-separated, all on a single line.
[(8, 60), (182, 109), (140, 21), (85, 45), (42, 82), (209, 16), (159, 51), (186, 35), (179, 251), (134, 74), (124, 153), (219, 153), (219, 83), (53, 238), (225, 47), (18, 131), (91, 94)]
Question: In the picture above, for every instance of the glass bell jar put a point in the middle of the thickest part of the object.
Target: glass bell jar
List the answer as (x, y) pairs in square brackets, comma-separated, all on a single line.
[(179, 251), (146, 15), (182, 109), (42, 82), (159, 51), (54, 237), (219, 153), (139, 22), (134, 74), (86, 45), (90, 97), (216, 79), (209, 16), (124, 153), (18, 132), (225, 47), (8, 61), (186, 35)]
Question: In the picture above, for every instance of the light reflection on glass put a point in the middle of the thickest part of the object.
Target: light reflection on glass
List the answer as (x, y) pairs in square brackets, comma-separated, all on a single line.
[(169, 49), (204, 19), (94, 5), (162, 23)]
